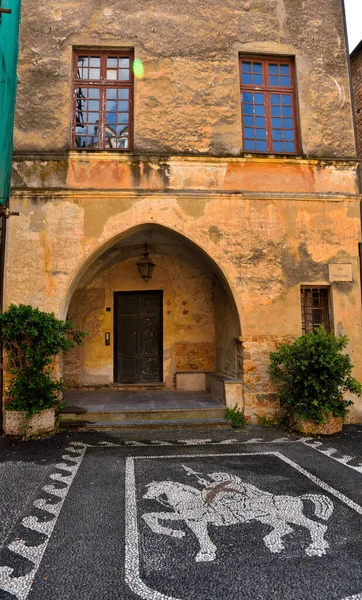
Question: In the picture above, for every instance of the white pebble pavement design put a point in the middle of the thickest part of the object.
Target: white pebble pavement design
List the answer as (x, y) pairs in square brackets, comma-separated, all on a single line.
[(65, 474)]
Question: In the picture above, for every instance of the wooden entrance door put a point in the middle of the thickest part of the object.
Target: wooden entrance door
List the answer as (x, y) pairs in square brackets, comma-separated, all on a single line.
[(138, 337)]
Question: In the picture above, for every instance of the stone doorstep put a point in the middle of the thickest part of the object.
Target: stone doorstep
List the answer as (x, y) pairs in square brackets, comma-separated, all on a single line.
[(144, 415), (157, 386), (164, 424)]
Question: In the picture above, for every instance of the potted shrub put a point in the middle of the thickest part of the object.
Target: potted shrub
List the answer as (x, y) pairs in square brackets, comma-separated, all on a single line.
[(32, 340), (313, 375)]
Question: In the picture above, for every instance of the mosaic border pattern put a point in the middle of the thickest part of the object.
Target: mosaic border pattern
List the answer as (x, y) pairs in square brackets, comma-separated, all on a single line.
[(65, 473)]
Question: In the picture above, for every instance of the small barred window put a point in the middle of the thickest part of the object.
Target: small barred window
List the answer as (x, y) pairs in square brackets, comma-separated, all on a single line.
[(315, 308)]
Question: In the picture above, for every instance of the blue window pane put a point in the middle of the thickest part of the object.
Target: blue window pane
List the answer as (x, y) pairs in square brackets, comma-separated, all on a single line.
[(123, 94), (249, 145), (122, 129), (111, 94), (246, 67), (284, 69), (260, 122), (277, 134), (259, 110), (110, 105), (122, 117), (286, 100), (261, 146), (257, 68), (274, 80), (261, 134), (287, 111), (249, 121), (111, 118), (247, 97), (288, 123), (246, 78), (123, 105), (275, 111), (257, 79), (285, 81), (259, 98), (248, 109), (278, 146), (93, 93), (289, 147), (273, 69), (82, 61), (275, 98), (249, 133), (277, 123), (289, 136), (93, 105)]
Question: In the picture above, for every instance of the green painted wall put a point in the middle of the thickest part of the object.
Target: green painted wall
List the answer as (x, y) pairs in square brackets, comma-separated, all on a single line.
[(9, 33)]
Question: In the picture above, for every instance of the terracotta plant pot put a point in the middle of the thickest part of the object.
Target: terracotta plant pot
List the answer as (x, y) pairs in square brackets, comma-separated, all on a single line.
[(330, 427), (15, 422)]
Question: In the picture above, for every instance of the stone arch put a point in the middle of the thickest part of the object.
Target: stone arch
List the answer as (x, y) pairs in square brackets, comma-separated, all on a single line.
[(202, 273)]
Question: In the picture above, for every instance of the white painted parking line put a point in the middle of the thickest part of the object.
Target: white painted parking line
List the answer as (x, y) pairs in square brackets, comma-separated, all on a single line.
[(255, 503)]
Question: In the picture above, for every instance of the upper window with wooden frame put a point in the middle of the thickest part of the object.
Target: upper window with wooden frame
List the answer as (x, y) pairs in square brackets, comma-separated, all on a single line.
[(102, 100), (268, 105)]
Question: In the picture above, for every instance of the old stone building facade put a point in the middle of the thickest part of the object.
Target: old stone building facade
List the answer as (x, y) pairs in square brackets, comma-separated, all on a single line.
[(229, 150), (356, 72)]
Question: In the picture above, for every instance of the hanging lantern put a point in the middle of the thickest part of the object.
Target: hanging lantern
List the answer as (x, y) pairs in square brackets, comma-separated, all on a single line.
[(145, 265)]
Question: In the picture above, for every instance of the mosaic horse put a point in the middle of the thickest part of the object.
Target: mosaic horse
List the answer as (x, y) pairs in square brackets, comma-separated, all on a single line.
[(227, 500)]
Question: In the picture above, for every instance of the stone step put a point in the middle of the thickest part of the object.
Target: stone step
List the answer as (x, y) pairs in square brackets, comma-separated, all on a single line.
[(141, 424), (172, 414), (153, 386)]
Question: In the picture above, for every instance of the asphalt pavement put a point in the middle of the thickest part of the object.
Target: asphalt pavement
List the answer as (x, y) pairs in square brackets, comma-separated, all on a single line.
[(200, 515)]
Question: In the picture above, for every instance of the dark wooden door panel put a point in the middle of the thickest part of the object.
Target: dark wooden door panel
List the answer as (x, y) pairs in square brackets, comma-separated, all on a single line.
[(138, 337), (128, 331)]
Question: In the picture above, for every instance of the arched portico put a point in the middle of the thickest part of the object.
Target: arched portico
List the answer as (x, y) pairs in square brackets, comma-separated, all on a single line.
[(198, 322)]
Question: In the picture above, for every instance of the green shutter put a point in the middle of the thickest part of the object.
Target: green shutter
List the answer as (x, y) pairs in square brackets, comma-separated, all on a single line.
[(9, 35)]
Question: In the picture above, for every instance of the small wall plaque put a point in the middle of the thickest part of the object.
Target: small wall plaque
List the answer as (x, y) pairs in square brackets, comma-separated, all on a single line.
[(340, 272)]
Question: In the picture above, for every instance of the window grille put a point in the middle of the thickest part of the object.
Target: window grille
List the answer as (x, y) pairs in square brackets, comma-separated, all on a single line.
[(315, 309)]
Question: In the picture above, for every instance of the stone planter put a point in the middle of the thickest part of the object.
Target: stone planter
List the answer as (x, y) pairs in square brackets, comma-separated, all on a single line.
[(330, 427), (15, 422)]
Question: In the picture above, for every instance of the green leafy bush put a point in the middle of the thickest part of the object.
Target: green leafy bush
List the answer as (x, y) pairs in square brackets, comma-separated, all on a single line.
[(235, 416), (32, 339), (313, 374)]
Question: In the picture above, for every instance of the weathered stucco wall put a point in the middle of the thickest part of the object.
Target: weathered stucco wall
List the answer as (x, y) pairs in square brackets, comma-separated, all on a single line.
[(227, 324), (189, 98), (265, 245), (188, 320)]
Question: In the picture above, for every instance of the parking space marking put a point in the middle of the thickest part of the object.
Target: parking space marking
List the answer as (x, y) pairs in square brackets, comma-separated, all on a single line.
[(132, 549)]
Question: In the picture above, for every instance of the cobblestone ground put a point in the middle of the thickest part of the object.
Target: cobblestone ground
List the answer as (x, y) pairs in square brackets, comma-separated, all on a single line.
[(257, 514)]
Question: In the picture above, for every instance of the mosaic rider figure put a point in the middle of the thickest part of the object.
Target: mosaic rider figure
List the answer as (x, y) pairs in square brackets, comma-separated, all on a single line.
[(227, 500)]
